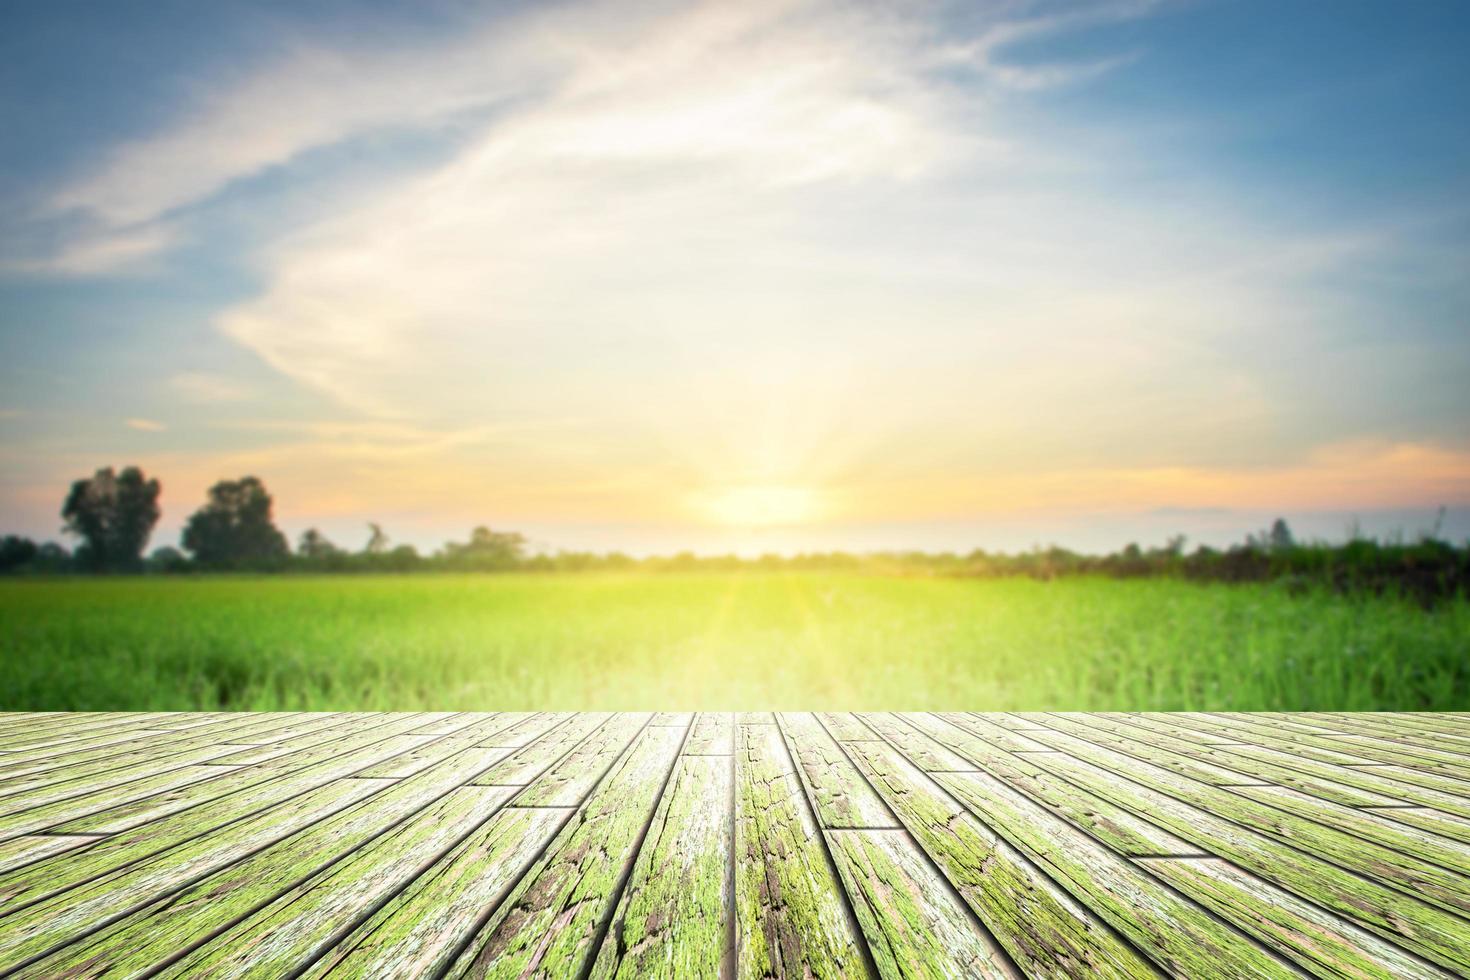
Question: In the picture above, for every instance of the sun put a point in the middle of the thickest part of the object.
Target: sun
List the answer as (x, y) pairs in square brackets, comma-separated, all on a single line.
[(761, 506)]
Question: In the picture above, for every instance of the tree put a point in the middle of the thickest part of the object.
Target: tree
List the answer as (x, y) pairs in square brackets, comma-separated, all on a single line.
[(377, 540), (16, 552), (113, 514), (234, 529), (51, 557), (314, 546), (167, 559), (1280, 538), (487, 549)]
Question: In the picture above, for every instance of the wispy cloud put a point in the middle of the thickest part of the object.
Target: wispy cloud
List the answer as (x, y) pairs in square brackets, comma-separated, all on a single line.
[(664, 247), (145, 425), (233, 127), (204, 387), (100, 252)]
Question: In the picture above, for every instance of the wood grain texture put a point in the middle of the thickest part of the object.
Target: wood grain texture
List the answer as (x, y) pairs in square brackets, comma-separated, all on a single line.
[(750, 845), (791, 918), (671, 919)]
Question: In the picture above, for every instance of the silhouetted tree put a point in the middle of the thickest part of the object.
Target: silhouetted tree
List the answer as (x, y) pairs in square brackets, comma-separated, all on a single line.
[(404, 558), (1280, 538), (16, 552), (234, 529), (51, 557), (113, 514), (377, 540), (487, 549), (166, 559), (314, 546)]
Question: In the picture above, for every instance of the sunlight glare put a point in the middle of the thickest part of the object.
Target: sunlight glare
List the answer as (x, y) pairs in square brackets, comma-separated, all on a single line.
[(762, 506)]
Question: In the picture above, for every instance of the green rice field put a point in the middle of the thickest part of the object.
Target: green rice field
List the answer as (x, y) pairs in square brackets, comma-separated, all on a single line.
[(718, 642)]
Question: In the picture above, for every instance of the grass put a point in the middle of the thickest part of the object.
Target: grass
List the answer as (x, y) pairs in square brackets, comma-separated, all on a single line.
[(738, 641)]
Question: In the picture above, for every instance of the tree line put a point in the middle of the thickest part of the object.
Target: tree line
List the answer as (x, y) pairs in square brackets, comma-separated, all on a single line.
[(111, 515)]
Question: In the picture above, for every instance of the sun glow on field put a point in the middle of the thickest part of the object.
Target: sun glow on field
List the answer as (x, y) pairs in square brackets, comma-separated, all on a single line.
[(762, 506)]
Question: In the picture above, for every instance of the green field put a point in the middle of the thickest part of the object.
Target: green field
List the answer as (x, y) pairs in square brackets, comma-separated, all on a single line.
[(737, 641)]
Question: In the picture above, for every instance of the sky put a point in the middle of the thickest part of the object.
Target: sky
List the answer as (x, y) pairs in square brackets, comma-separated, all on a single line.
[(744, 276)]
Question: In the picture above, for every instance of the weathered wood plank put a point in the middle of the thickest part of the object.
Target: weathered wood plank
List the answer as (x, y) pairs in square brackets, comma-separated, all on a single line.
[(72, 780), (299, 924), (1272, 767), (753, 844), (913, 925), (846, 726), (530, 761), (1183, 765), (144, 767), (47, 925), (552, 923), (527, 728), (1109, 824), (19, 851), (46, 878), (283, 753), (61, 728), (1016, 721), (1429, 722), (170, 909), (1384, 785), (418, 931), (1045, 932), (1163, 723), (1356, 750), (840, 794), (111, 813), (1412, 875), (671, 921), (791, 919), (1429, 846), (1178, 936), (713, 734), (921, 750), (1387, 728), (23, 762), (571, 779), (1424, 818), (477, 734), (992, 729), (1326, 944), (58, 813), (1424, 928)]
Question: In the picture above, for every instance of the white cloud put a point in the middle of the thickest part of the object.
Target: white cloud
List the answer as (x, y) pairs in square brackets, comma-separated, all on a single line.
[(145, 425), (759, 238), (204, 387), (102, 252), (319, 94)]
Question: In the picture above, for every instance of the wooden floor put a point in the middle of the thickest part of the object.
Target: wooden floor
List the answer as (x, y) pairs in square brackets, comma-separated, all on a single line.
[(793, 845)]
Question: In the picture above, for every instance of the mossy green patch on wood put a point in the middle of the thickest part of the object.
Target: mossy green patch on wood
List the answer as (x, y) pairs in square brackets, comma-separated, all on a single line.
[(1322, 943), (1045, 932), (840, 794), (671, 920), (276, 938), (419, 931), (913, 925), (790, 916), (549, 925), (1112, 825)]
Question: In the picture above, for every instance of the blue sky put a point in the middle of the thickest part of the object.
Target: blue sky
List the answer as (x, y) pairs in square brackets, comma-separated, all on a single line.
[(782, 274)]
